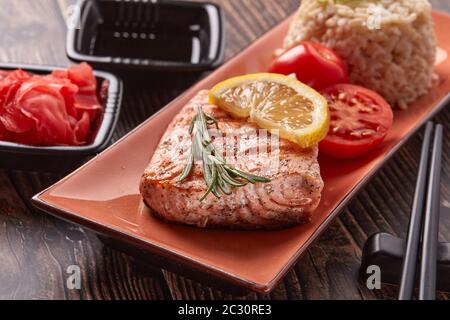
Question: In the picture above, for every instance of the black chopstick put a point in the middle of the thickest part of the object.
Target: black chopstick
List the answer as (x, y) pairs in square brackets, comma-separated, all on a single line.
[(414, 229), (427, 288)]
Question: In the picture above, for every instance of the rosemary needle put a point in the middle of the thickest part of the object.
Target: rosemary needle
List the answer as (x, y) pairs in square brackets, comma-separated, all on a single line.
[(219, 176)]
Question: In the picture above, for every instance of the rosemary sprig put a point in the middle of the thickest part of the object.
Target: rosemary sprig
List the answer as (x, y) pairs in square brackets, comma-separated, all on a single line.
[(219, 176)]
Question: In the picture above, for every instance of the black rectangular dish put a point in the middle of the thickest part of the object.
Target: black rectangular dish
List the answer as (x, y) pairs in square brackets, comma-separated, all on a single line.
[(148, 35), (63, 158)]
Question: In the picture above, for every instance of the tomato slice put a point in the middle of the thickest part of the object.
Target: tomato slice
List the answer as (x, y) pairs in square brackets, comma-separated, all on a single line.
[(360, 121), (313, 64)]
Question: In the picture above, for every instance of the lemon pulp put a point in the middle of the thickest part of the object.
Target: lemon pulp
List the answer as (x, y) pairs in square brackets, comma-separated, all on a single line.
[(275, 102)]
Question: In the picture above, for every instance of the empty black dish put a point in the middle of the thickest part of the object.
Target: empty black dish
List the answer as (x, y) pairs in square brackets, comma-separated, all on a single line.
[(148, 34), (62, 158)]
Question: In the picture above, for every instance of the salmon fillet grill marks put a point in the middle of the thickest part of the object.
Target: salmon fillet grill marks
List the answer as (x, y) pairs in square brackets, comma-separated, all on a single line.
[(290, 198)]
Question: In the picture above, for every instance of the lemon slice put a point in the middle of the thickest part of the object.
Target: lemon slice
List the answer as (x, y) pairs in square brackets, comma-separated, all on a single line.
[(281, 104)]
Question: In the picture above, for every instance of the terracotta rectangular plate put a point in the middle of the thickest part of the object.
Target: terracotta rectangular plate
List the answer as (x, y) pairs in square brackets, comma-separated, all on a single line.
[(103, 194)]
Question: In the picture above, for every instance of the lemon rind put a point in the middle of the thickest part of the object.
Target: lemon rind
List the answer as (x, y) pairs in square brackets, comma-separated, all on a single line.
[(305, 137)]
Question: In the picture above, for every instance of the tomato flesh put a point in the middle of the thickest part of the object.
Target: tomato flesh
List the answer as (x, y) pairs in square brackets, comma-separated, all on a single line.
[(313, 64), (57, 109), (359, 121)]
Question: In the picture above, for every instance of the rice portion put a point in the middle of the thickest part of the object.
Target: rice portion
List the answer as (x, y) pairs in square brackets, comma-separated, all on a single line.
[(389, 45)]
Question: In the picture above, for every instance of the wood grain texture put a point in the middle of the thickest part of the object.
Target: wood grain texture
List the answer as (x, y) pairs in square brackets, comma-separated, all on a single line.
[(36, 249)]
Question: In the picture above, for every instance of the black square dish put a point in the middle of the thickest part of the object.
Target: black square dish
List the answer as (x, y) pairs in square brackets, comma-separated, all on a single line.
[(148, 35), (63, 158)]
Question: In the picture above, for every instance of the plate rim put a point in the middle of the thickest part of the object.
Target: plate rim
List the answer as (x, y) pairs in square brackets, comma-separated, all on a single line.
[(54, 210), (169, 253)]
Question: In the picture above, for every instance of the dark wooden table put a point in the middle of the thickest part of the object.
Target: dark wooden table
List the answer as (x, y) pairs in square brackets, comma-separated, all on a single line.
[(36, 249)]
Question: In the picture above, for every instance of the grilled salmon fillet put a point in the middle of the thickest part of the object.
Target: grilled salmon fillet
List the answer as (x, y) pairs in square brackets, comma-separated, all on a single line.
[(290, 198)]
